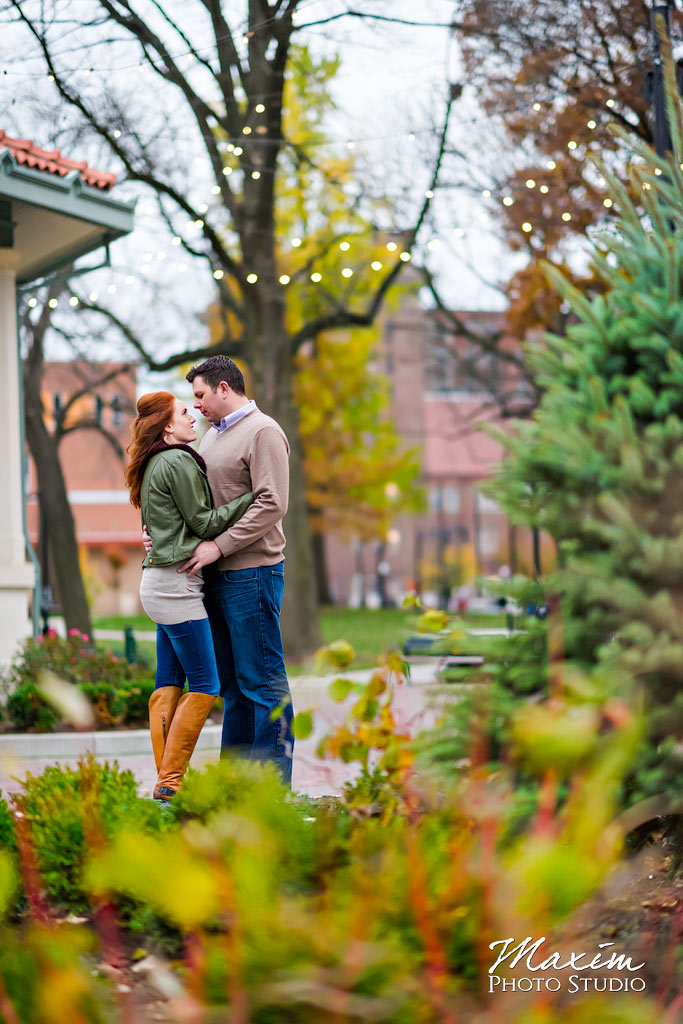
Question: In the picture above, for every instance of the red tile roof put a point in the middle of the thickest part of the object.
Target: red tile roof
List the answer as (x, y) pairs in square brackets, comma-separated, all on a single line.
[(52, 162)]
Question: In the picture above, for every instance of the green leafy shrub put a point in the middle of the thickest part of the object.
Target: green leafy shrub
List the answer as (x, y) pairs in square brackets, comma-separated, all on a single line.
[(65, 808), (117, 691)]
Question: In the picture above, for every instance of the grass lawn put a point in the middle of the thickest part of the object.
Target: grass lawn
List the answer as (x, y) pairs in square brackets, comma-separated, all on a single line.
[(369, 632)]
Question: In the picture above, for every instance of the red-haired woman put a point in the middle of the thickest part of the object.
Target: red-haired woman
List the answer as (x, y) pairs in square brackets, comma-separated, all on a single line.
[(167, 481)]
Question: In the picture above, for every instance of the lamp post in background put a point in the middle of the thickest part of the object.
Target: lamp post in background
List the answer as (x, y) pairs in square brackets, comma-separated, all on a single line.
[(662, 136)]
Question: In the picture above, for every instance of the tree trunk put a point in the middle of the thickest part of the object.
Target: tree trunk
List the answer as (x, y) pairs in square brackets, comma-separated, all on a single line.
[(272, 366), (56, 512), (322, 577)]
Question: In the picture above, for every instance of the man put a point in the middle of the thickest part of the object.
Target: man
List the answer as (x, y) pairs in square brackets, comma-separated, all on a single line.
[(245, 450)]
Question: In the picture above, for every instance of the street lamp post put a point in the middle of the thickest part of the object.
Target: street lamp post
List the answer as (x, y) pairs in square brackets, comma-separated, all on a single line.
[(662, 136)]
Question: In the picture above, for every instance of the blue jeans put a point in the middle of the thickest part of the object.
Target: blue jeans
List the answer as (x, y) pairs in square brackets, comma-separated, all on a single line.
[(244, 610), (185, 651)]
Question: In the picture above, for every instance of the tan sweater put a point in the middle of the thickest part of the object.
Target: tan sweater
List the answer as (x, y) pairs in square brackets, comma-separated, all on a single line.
[(252, 455)]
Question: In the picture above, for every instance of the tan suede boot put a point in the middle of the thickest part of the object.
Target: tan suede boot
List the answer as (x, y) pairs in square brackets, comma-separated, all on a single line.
[(162, 707), (192, 711)]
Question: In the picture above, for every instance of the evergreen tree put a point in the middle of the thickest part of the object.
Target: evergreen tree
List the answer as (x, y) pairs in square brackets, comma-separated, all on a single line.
[(600, 466)]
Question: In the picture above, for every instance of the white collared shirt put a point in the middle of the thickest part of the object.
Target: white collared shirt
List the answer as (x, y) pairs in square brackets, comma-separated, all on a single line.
[(234, 417)]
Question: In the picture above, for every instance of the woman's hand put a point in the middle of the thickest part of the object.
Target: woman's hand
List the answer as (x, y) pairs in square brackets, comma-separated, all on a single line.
[(146, 540), (206, 552)]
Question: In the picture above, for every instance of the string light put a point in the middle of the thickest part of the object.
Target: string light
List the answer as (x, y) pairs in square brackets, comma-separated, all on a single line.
[(458, 232), (111, 288), (259, 108), (526, 226), (609, 103), (246, 130), (486, 193), (227, 171), (429, 194), (566, 216), (238, 151), (199, 223), (347, 272), (215, 190), (391, 246), (607, 202), (256, 175), (544, 189), (94, 296), (32, 303), (218, 274), (284, 278), (571, 144), (435, 243), (508, 200), (295, 243), (117, 133), (411, 137), (161, 255), (73, 301), (376, 265), (537, 106), (350, 145), (202, 207), (405, 256), (53, 303), (344, 246), (592, 124), (252, 278), (530, 183), (551, 165), (176, 240), (658, 171), (316, 277)]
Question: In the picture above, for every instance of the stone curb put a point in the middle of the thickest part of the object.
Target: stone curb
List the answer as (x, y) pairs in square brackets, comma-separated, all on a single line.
[(103, 743)]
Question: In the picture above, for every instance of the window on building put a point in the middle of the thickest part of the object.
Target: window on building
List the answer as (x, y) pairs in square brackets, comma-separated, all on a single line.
[(451, 499), (99, 406), (435, 499), (456, 364)]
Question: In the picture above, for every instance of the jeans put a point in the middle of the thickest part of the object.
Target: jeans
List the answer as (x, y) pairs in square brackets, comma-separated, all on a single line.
[(244, 610), (185, 651)]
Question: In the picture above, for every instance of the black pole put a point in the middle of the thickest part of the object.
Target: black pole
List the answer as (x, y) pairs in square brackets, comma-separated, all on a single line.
[(662, 136)]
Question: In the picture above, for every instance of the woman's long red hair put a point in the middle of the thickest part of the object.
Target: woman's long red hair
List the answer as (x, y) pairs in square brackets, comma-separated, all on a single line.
[(155, 411)]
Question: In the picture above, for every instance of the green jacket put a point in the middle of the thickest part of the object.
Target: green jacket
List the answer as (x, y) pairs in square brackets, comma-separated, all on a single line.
[(176, 507)]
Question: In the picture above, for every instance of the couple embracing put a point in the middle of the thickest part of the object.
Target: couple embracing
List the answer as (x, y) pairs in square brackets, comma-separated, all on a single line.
[(218, 627)]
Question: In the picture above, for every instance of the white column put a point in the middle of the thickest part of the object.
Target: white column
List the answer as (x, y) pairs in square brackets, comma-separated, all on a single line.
[(16, 574)]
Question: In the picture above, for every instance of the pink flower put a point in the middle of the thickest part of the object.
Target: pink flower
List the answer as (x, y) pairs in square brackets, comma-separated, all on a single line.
[(114, 658), (52, 633), (40, 639), (74, 632), (84, 636), (73, 661)]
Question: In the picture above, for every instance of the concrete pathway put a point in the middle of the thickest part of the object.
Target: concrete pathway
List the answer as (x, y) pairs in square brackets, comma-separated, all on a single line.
[(416, 706)]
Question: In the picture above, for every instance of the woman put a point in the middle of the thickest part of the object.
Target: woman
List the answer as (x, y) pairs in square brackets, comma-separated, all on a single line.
[(167, 481)]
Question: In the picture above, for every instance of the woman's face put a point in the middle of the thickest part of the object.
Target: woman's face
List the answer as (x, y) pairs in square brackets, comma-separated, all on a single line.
[(181, 428)]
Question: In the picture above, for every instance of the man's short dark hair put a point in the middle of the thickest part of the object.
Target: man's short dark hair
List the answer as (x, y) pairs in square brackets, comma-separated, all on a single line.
[(218, 368)]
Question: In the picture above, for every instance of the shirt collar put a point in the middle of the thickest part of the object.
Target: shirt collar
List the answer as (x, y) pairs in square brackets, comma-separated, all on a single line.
[(234, 417)]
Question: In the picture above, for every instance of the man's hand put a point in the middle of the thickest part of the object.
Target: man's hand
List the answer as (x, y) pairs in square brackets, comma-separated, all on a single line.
[(146, 540), (206, 552)]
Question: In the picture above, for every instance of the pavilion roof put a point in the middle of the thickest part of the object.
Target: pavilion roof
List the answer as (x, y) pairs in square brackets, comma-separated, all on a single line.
[(51, 161)]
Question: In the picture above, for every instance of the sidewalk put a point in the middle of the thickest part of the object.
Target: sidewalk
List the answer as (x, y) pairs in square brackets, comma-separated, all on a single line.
[(416, 706)]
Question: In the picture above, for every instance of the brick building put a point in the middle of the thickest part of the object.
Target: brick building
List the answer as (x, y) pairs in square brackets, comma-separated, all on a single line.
[(442, 386), (107, 525)]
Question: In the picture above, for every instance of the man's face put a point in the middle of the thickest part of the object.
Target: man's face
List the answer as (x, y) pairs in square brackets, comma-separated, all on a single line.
[(210, 403)]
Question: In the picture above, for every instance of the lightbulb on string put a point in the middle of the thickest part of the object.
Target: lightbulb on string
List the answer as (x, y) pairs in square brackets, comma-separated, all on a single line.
[(316, 277)]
